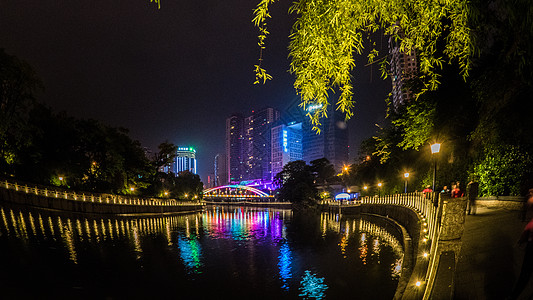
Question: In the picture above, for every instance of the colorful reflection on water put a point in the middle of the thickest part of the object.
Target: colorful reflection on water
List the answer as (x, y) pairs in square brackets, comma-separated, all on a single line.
[(229, 252)]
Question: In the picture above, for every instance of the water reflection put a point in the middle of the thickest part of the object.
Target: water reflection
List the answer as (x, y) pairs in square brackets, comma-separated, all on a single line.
[(254, 251), (284, 265), (382, 237), (312, 286), (190, 253)]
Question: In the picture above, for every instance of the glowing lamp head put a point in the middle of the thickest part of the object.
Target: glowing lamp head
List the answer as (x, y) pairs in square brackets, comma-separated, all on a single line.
[(61, 178), (418, 283), (435, 148), (132, 189), (406, 175), (380, 184), (365, 187)]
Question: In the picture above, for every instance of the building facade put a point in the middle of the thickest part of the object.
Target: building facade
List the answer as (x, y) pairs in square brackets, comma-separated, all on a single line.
[(403, 68), (220, 170), (331, 143), (260, 129), (248, 148), (286, 141), (185, 160), (235, 148)]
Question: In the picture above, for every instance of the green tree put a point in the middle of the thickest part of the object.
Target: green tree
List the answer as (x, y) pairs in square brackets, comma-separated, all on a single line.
[(500, 170), (327, 34), (18, 83), (166, 154), (297, 183), (189, 184)]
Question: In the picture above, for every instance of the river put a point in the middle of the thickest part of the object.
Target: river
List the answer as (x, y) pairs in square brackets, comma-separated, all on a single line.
[(224, 252)]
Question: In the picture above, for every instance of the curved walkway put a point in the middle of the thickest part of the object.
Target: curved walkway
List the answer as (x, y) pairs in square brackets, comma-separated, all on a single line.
[(490, 259)]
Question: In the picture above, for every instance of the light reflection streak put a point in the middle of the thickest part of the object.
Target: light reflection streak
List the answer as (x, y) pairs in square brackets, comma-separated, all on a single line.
[(32, 224), (190, 253), (5, 221), (242, 224), (380, 238), (284, 265)]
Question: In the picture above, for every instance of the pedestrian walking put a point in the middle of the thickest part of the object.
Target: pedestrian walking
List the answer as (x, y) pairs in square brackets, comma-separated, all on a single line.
[(472, 190), (527, 264)]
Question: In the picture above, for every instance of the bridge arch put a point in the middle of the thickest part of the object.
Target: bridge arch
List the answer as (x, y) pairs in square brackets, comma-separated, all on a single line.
[(237, 187)]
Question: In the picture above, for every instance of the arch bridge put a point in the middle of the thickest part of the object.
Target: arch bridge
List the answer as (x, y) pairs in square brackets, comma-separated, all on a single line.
[(236, 192)]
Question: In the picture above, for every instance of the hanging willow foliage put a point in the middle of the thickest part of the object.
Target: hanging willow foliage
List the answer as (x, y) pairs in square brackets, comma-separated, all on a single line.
[(328, 33)]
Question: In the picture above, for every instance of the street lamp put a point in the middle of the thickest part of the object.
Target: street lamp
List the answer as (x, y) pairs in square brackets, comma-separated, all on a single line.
[(435, 148), (379, 185), (406, 175)]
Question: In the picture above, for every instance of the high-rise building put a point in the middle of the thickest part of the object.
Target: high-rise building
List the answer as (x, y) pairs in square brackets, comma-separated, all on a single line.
[(403, 68), (259, 129), (331, 143), (234, 148), (286, 141), (221, 173), (248, 148), (185, 160)]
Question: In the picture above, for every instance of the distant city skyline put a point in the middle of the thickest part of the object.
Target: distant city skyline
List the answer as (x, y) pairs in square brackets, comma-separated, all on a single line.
[(170, 74)]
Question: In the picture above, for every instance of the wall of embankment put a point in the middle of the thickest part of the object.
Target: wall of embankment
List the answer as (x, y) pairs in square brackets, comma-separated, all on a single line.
[(409, 223), (91, 207)]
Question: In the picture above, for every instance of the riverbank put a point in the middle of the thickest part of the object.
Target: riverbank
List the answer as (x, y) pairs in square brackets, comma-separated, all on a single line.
[(69, 201)]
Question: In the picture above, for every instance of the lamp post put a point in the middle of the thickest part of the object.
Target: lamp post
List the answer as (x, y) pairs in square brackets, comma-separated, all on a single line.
[(406, 175), (435, 148)]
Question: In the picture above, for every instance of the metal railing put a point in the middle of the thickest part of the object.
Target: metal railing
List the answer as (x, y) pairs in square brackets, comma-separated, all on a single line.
[(92, 197)]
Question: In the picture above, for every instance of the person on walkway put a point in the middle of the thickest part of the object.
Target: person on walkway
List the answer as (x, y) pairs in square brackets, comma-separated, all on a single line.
[(427, 191), (472, 190), (528, 203), (456, 191), (445, 190), (527, 264)]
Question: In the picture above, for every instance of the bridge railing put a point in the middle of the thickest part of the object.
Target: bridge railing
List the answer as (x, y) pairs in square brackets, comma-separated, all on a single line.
[(91, 197)]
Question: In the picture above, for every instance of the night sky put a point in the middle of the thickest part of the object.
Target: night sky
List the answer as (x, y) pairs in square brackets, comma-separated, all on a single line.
[(170, 74)]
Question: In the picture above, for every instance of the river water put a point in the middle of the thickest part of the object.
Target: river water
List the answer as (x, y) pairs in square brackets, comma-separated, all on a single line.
[(226, 252)]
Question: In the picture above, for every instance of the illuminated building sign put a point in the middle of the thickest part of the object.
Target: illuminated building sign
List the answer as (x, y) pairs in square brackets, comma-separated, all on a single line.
[(285, 142), (314, 107)]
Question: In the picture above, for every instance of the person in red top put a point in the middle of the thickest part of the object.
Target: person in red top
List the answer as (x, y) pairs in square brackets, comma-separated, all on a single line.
[(426, 191), (456, 191)]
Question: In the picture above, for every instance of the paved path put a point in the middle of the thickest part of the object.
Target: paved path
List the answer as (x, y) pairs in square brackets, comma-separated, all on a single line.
[(490, 259)]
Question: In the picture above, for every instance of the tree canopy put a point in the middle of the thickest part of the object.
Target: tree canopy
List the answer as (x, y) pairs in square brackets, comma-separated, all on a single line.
[(327, 35)]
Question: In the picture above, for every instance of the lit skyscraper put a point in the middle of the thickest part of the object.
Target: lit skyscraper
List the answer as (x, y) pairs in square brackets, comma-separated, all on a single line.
[(186, 160), (248, 148), (286, 141), (331, 143), (259, 136), (234, 148), (221, 173), (403, 67)]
